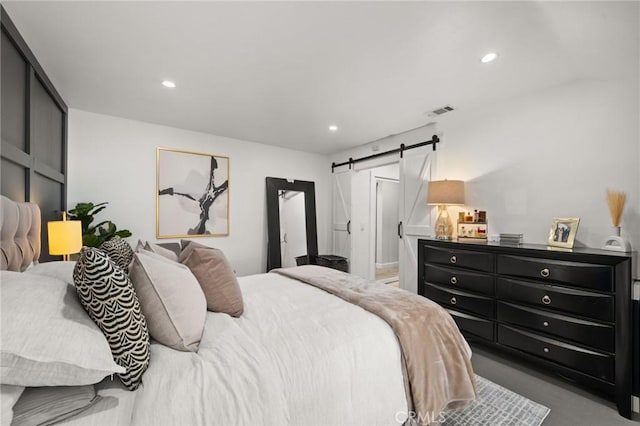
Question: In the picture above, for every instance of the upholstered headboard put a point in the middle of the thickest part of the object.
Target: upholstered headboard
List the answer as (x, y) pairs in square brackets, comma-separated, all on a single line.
[(19, 234)]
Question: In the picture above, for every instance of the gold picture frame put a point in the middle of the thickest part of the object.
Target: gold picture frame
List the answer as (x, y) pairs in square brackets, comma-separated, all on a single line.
[(192, 194), (563, 231)]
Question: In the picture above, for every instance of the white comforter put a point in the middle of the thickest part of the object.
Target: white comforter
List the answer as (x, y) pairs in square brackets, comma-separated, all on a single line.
[(297, 356)]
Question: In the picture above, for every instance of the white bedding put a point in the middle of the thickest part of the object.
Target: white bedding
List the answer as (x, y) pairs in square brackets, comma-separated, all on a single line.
[(297, 356)]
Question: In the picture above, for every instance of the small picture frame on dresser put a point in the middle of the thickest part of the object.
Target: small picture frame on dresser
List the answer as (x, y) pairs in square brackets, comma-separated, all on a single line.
[(563, 231)]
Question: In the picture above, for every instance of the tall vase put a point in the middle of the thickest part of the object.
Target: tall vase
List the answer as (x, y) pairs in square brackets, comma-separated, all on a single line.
[(617, 243)]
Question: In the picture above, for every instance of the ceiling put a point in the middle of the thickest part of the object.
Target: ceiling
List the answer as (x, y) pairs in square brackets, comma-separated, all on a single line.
[(280, 73)]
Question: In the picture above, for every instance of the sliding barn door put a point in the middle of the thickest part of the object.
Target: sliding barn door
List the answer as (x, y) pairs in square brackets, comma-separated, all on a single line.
[(414, 214), (341, 226)]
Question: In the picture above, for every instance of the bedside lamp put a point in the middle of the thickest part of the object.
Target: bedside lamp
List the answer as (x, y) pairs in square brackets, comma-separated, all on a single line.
[(443, 193), (65, 236)]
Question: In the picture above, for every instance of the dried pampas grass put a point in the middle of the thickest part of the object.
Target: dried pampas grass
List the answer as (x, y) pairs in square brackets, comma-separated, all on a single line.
[(616, 201)]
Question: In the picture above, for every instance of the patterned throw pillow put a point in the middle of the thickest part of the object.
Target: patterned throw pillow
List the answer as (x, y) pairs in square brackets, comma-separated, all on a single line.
[(119, 251), (107, 294)]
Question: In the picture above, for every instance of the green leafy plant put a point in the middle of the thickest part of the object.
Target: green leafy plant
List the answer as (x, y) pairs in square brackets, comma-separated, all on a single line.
[(95, 235)]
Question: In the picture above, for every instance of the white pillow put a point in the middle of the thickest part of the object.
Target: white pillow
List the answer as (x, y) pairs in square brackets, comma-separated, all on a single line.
[(171, 299), (59, 269), (47, 337), (8, 397)]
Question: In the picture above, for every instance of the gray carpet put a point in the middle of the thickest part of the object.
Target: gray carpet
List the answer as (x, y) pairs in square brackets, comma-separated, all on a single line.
[(496, 406), (570, 403)]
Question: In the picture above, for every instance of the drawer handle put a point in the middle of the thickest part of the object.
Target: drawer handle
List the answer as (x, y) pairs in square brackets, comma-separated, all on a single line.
[(546, 324), (546, 350), (545, 272), (453, 259), (453, 301), (454, 280), (546, 300)]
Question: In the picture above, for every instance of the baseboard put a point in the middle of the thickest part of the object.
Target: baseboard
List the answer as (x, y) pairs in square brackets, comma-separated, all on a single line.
[(386, 265)]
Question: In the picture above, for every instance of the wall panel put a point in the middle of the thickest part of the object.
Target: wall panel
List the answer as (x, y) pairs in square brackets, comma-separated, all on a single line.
[(14, 95), (47, 194), (34, 132), (47, 123), (13, 180)]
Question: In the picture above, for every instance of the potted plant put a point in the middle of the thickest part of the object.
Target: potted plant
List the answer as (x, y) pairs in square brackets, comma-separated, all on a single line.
[(95, 235)]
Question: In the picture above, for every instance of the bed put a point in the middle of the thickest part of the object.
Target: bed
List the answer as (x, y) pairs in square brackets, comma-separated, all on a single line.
[(297, 355)]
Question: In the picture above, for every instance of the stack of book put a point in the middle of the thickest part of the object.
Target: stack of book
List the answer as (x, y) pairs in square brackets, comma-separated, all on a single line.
[(514, 239)]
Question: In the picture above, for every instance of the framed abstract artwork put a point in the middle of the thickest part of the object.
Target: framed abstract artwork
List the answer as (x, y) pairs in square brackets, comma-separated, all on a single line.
[(192, 194)]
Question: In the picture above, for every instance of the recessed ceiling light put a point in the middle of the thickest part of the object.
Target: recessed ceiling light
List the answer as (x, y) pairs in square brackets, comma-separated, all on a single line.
[(333, 128), (489, 57), (169, 84)]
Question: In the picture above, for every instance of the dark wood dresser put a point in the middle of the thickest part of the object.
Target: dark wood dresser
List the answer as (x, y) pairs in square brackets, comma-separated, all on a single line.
[(568, 311)]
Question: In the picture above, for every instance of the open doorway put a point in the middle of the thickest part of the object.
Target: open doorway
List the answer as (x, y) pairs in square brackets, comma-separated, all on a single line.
[(386, 240)]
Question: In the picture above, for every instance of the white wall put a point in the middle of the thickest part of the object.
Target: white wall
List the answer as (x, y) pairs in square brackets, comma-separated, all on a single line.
[(114, 159), (553, 153)]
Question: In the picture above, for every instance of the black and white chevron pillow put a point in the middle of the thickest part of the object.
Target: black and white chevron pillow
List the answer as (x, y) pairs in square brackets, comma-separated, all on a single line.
[(107, 294), (119, 251)]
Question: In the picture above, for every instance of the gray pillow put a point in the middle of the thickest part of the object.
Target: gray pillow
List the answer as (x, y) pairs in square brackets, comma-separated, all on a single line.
[(165, 252), (52, 404), (108, 296), (62, 270), (171, 299), (47, 337)]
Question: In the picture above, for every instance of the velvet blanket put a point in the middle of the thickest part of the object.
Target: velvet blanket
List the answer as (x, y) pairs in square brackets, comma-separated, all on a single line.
[(438, 372)]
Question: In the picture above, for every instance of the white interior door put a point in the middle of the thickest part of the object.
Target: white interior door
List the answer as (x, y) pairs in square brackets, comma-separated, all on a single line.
[(414, 213), (341, 228)]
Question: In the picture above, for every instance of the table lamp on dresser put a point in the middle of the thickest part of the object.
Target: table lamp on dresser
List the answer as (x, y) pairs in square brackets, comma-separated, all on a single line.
[(443, 193)]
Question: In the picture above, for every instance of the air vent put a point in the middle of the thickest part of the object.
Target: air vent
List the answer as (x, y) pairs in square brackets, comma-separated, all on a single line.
[(440, 111)]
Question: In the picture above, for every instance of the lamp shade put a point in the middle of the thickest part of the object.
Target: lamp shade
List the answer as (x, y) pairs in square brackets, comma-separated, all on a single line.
[(65, 237), (445, 192)]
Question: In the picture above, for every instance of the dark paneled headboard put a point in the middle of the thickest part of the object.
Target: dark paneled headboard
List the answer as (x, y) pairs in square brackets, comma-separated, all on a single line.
[(34, 131)]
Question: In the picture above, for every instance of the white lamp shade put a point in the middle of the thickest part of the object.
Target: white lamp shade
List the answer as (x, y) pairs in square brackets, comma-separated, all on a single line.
[(65, 237), (445, 192)]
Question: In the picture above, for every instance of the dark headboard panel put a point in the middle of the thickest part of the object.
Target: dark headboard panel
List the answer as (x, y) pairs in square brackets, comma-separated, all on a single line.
[(33, 160)]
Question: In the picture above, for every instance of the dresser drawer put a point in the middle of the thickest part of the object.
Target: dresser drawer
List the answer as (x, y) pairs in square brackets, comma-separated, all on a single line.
[(587, 275), (589, 333), (459, 278), (460, 300), (590, 362), (474, 325), (584, 303), (461, 258)]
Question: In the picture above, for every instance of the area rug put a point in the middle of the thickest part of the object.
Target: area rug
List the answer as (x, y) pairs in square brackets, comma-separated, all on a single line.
[(496, 406)]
